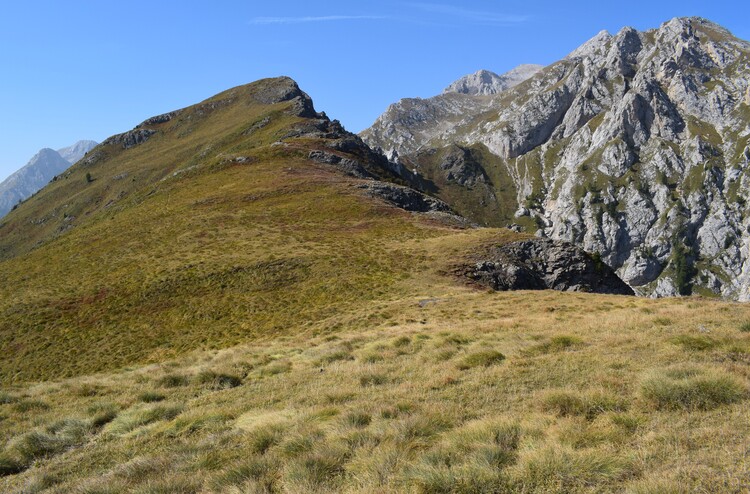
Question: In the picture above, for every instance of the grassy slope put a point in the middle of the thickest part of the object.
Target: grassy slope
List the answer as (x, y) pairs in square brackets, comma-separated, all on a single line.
[(282, 332)]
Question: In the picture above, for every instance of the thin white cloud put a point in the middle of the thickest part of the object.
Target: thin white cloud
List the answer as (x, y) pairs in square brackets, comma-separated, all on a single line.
[(477, 16), (303, 20)]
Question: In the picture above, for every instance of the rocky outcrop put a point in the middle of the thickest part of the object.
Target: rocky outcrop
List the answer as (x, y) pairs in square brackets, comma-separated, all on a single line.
[(131, 138), (406, 198), (635, 146), (539, 264)]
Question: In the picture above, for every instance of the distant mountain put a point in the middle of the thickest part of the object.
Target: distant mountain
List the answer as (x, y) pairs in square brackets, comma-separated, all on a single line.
[(486, 82), (411, 122), (38, 172), (635, 146), (77, 151)]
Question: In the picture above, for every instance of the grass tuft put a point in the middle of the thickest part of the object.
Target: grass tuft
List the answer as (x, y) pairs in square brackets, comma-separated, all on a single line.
[(692, 388), (588, 405), (173, 381), (151, 397), (695, 343), (557, 343), (484, 358), (373, 379), (217, 381), (141, 415)]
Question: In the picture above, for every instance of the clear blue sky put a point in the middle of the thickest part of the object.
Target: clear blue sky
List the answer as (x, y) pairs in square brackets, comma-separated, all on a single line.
[(89, 69)]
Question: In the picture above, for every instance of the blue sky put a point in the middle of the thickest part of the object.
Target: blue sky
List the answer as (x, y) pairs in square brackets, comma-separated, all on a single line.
[(89, 69)]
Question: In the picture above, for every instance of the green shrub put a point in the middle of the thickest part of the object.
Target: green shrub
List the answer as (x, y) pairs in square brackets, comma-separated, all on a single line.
[(483, 358), (692, 389)]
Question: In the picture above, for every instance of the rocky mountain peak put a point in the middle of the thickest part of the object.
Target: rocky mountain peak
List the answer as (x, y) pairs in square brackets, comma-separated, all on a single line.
[(484, 82), (635, 146), (591, 47)]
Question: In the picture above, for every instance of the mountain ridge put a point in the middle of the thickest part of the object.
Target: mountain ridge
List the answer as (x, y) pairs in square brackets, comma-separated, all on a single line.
[(634, 146)]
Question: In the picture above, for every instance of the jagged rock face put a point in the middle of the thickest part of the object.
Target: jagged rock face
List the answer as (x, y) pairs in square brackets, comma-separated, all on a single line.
[(413, 121), (539, 264), (636, 146)]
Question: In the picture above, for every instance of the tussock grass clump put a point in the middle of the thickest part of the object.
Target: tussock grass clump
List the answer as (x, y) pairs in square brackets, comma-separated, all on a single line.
[(392, 412), (745, 327), (263, 438), (588, 405), (372, 357), (275, 368), (557, 343), (185, 425), (560, 469), (695, 343), (336, 356), (217, 381), (7, 398), (462, 479), (484, 358), (421, 426), (691, 388), (256, 474), (151, 397), (470, 459), (373, 379), (141, 415), (173, 381), (25, 406), (40, 443), (320, 469), (358, 419), (401, 342)]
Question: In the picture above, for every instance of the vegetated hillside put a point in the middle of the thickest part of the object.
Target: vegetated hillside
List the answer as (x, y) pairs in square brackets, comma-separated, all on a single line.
[(634, 146), (241, 217), (217, 301), (40, 169)]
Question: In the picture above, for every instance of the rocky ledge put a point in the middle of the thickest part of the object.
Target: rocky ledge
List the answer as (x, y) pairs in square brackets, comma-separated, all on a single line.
[(539, 264)]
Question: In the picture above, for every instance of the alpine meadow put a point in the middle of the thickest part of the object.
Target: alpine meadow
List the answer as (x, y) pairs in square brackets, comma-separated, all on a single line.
[(534, 282)]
